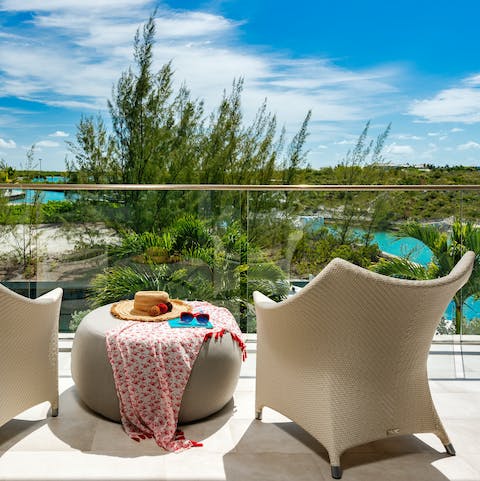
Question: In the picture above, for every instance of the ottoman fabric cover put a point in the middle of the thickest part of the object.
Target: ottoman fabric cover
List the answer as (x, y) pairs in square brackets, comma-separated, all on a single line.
[(211, 384)]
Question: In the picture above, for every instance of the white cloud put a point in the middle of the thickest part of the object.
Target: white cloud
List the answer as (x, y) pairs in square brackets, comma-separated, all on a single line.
[(396, 149), (96, 47), (59, 133), (434, 134), (84, 5), (469, 146), (7, 144), (47, 143), (457, 104), (474, 80), (456, 129), (406, 137)]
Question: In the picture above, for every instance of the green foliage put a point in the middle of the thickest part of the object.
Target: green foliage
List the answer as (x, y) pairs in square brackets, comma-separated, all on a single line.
[(7, 172), (121, 282), (76, 318), (190, 261), (269, 279), (163, 136), (447, 249), (404, 269), (134, 244), (57, 211), (318, 247), (399, 206), (189, 234), (94, 152), (471, 327)]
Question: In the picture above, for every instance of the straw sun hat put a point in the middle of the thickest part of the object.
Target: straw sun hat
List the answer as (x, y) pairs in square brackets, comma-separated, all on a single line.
[(140, 309)]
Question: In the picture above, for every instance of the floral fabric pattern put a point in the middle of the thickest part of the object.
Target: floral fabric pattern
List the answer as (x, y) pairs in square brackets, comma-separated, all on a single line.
[(151, 365)]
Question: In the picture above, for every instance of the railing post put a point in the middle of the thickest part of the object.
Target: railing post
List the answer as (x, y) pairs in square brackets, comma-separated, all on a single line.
[(243, 321)]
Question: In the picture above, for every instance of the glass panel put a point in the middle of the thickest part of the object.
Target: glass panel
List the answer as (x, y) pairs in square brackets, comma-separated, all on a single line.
[(300, 232), (469, 346), (103, 246)]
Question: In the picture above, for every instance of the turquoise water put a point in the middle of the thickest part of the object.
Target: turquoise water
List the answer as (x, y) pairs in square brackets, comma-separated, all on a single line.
[(45, 196), (404, 246), (421, 254), (55, 179)]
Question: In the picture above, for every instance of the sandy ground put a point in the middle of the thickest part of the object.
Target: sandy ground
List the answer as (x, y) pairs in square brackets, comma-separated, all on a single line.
[(53, 246), (54, 240)]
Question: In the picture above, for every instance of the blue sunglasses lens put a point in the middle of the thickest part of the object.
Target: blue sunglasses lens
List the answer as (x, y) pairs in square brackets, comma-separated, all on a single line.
[(202, 318), (186, 317)]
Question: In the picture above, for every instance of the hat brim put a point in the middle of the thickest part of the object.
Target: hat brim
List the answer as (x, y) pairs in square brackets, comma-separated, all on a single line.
[(125, 310)]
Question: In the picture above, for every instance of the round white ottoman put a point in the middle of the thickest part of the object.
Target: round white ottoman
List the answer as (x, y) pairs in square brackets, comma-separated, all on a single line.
[(211, 385)]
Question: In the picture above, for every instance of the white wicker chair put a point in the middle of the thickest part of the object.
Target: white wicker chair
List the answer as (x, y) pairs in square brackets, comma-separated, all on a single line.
[(346, 358), (28, 351)]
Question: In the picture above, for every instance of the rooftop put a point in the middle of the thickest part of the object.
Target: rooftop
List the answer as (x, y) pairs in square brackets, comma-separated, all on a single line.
[(80, 445)]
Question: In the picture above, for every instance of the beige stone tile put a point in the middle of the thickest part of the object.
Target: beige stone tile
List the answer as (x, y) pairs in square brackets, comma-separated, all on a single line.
[(79, 466), (17, 431), (244, 405), (39, 412), (194, 465), (409, 443), (272, 416), (64, 363), (215, 437), (63, 437), (456, 468), (110, 438), (246, 384), (472, 460), (80, 445), (455, 386), (382, 466), (259, 437), (457, 405), (248, 368), (464, 434), (274, 467)]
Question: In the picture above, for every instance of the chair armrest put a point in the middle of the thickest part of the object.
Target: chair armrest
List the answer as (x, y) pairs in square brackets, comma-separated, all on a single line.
[(50, 297), (262, 300)]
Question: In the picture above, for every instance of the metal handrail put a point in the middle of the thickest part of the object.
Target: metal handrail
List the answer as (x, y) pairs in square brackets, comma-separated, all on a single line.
[(241, 187)]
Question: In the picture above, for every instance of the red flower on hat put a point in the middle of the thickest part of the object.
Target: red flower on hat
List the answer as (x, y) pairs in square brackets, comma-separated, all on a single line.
[(163, 308), (158, 309)]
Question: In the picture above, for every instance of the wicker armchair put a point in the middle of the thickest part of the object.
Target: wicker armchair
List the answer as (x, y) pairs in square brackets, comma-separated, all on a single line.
[(28, 351), (346, 358)]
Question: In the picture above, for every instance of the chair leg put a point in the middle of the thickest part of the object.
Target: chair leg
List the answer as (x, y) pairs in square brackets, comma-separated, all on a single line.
[(450, 449), (336, 472), (54, 410), (258, 414)]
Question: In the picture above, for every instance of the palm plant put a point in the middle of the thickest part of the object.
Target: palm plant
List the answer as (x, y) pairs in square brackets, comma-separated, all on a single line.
[(122, 282), (447, 249), (195, 264)]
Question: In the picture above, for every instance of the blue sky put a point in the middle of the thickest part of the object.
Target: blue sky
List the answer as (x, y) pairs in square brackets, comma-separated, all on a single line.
[(414, 64)]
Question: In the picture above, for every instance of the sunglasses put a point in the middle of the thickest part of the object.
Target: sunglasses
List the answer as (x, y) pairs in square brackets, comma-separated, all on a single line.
[(189, 317)]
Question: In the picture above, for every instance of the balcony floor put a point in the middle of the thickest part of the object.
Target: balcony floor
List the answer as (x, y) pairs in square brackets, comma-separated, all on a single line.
[(79, 445)]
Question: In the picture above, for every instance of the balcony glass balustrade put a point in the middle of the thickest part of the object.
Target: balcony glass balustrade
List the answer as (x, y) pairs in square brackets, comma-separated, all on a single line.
[(101, 243)]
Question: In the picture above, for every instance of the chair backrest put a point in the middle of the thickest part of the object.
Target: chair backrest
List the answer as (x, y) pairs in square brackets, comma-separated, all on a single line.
[(365, 315)]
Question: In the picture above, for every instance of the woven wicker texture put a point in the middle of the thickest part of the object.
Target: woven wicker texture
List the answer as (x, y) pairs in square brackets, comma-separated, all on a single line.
[(28, 351), (346, 358)]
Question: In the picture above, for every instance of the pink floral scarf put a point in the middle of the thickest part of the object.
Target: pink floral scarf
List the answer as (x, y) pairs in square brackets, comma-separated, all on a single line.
[(151, 365)]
